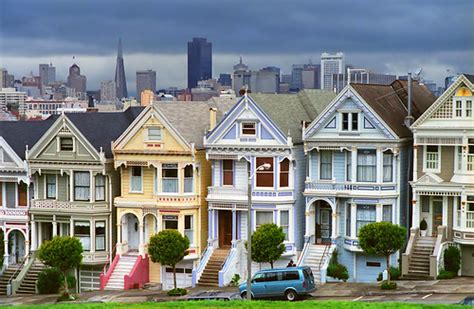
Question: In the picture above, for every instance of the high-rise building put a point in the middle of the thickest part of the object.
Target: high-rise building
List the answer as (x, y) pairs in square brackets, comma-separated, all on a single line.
[(225, 80), (3, 78), (266, 80), (77, 81), (13, 99), (331, 64), (146, 80), (199, 61), (305, 76), (108, 91), (120, 79), (47, 73), (31, 85)]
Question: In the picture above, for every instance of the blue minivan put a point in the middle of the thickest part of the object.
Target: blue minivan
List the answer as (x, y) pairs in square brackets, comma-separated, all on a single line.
[(289, 282)]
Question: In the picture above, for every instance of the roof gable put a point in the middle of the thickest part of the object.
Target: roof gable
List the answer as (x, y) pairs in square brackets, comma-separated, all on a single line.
[(8, 158)]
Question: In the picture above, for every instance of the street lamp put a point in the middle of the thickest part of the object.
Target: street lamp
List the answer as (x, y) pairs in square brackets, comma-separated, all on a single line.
[(263, 167)]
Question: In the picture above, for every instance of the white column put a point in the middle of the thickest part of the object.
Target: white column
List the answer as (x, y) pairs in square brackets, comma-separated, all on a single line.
[(141, 247), (92, 233), (354, 164), (445, 211), (415, 163), (463, 211), (308, 223), (55, 226), (234, 226), (416, 210), (92, 187), (5, 248), (34, 236), (378, 212), (71, 227), (379, 166), (71, 186), (455, 212), (334, 226), (119, 237), (209, 226), (353, 220), (40, 234)]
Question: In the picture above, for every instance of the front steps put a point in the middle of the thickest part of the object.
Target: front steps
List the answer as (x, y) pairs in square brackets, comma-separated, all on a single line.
[(6, 276), (313, 258), (210, 275), (419, 267), (28, 285), (123, 267)]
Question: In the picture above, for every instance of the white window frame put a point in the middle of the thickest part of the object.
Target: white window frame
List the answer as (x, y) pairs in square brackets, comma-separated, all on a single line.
[(130, 189), (59, 144), (287, 235), (463, 108), (260, 211), (332, 165), (178, 178), (147, 132), (46, 187), (425, 154), (350, 114), (105, 235), (387, 152), (242, 128), (191, 230)]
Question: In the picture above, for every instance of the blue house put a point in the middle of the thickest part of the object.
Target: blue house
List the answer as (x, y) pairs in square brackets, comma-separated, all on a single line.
[(358, 151)]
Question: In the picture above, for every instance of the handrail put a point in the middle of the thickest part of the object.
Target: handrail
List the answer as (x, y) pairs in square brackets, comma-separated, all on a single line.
[(202, 264), (326, 249), (138, 275), (304, 252), (25, 260), (28, 263), (114, 249)]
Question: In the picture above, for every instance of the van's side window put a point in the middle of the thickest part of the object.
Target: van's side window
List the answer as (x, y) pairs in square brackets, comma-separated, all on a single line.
[(259, 277), (271, 277), (291, 275)]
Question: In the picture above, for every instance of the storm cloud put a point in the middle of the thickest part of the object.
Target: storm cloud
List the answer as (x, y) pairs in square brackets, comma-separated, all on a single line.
[(386, 36)]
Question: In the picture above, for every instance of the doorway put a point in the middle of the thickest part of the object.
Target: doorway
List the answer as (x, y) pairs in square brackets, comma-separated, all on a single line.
[(437, 211), (130, 231), (323, 223), (225, 229)]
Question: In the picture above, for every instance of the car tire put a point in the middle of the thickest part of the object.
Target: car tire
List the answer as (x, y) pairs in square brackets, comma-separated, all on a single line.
[(291, 295), (244, 295)]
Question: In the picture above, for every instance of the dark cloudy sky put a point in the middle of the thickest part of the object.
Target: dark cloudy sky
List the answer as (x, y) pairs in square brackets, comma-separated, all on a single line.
[(386, 36)]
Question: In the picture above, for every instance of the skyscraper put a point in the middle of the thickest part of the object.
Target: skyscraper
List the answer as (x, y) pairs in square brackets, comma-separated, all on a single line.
[(120, 80), (331, 64), (47, 73), (146, 80), (199, 61), (107, 91), (77, 81)]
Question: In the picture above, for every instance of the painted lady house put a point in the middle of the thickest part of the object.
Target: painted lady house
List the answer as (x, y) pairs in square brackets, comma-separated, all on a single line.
[(164, 177), (358, 152), (71, 167), (259, 129), (443, 183)]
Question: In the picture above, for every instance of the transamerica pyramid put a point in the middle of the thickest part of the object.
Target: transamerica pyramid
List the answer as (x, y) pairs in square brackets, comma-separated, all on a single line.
[(120, 80)]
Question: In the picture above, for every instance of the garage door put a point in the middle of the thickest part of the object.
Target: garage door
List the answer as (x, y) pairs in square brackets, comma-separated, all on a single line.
[(183, 276), (467, 260)]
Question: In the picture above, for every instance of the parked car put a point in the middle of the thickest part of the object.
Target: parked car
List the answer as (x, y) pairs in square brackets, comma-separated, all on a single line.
[(214, 295), (290, 282), (469, 301)]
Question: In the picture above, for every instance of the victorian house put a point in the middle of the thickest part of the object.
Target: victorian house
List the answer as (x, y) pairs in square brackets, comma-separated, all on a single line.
[(358, 151), (259, 129), (71, 167), (164, 178), (443, 183)]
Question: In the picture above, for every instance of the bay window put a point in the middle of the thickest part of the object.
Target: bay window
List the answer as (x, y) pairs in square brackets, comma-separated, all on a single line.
[(169, 173), (82, 182), (100, 188), (189, 228), (263, 217), (432, 158), (285, 222), (100, 236), (348, 166), (50, 186), (265, 177), (82, 230), (284, 173), (365, 215), (325, 165), (387, 213), (387, 166), (10, 194), (188, 179), (227, 172), (348, 220), (366, 165), (170, 222), (136, 179)]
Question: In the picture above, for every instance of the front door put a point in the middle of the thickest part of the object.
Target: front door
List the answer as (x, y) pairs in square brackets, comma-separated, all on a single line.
[(437, 211), (225, 228), (325, 217)]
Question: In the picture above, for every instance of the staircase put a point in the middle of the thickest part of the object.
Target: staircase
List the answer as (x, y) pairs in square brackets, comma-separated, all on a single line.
[(419, 267), (123, 267), (313, 259), (210, 275), (28, 285), (7, 274)]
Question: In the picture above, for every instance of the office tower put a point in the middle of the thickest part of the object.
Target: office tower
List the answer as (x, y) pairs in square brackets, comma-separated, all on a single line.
[(3, 78), (108, 91), (225, 79), (305, 76), (199, 61), (120, 80), (268, 80), (331, 64), (146, 80), (47, 73), (77, 81), (11, 98)]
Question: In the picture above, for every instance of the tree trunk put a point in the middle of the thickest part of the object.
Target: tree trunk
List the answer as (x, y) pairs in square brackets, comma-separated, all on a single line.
[(174, 275), (388, 268), (66, 288), (271, 264)]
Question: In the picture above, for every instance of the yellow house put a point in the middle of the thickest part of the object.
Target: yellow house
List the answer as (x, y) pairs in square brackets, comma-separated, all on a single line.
[(164, 180)]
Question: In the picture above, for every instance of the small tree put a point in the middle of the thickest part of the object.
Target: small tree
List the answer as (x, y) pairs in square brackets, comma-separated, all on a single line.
[(267, 243), (64, 253), (382, 239), (168, 247)]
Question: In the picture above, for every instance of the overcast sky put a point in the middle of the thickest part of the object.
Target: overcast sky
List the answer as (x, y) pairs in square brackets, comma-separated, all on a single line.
[(385, 36)]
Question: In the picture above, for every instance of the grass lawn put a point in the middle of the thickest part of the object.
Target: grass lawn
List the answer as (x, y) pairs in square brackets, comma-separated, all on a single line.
[(243, 304)]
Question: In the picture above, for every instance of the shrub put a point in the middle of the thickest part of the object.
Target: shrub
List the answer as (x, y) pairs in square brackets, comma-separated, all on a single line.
[(446, 274), (49, 281), (452, 259), (177, 292), (388, 285), (235, 280), (71, 282), (338, 271), (394, 274), (423, 225)]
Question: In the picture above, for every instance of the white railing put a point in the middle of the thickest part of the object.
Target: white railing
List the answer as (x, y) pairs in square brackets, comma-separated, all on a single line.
[(467, 223), (347, 186), (470, 219), (13, 212), (197, 272), (231, 265), (303, 254), (66, 205), (324, 268), (226, 191)]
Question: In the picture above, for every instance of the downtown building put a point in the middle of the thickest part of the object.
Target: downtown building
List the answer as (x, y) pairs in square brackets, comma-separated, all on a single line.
[(146, 80), (199, 61), (331, 64)]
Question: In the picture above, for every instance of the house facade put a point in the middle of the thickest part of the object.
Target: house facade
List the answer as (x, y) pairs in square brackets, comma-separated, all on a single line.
[(358, 152), (443, 178)]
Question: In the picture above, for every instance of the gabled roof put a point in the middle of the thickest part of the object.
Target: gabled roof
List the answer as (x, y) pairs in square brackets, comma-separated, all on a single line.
[(18, 134), (470, 77), (390, 102)]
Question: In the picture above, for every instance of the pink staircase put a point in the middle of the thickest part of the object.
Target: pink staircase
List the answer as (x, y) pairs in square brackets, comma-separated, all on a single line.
[(126, 272)]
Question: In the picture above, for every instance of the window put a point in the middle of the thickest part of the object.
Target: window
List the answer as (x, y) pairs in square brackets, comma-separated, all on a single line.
[(260, 277), (50, 186), (355, 122), (188, 227), (154, 134), (350, 122), (365, 215), (469, 108), (10, 194), (325, 164), (66, 143), (459, 158), (290, 275), (169, 173), (100, 236), (228, 172), (263, 217), (248, 128), (188, 179), (372, 264), (284, 173), (170, 222), (387, 166), (82, 230), (366, 165), (284, 222), (265, 177), (463, 107), (82, 186), (22, 194), (345, 121), (432, 158), (387, 213), (458, 108), (136, 179), (100, 188), (348, 220), (273, 276)]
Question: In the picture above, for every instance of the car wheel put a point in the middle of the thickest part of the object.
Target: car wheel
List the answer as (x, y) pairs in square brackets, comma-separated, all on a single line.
[(290, 295), (244, 295)]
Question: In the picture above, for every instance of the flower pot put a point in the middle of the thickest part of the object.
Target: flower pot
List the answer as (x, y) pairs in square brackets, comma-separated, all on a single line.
[(423, 233)]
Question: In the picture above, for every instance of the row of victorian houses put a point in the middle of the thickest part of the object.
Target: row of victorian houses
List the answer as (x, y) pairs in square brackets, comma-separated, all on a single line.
[(337, 163)]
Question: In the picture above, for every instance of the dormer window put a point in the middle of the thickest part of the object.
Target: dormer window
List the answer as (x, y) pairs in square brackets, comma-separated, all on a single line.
[(66, 144), (154, 134), (350, 122), (249, 128), (462, 103)]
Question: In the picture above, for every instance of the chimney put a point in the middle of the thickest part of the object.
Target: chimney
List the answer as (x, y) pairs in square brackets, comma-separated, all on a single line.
[(91, 108), (212, 118), (409, 118)]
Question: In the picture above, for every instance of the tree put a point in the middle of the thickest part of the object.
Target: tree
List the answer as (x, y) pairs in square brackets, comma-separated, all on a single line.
[(267, 243), (382, 239), (168, 247), (64, 253)]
